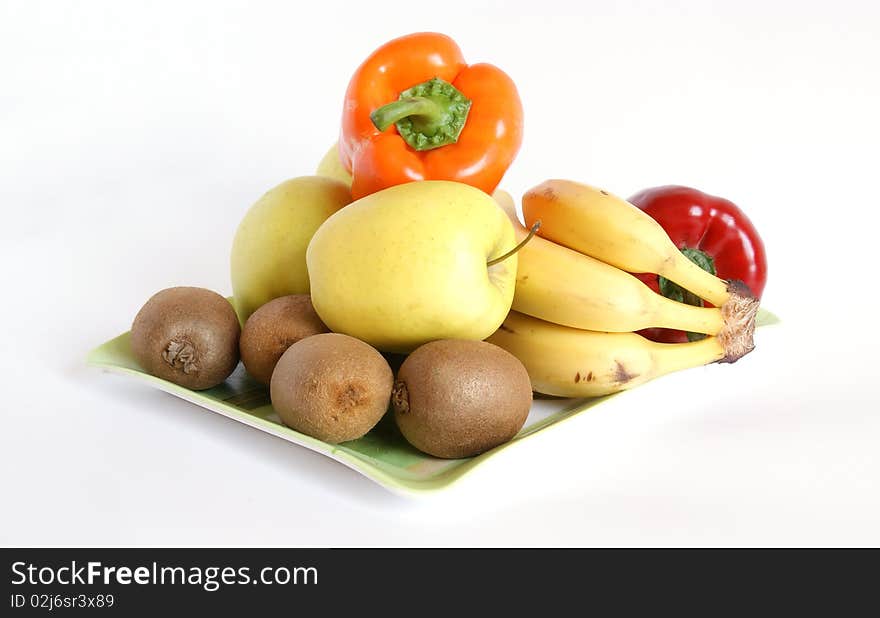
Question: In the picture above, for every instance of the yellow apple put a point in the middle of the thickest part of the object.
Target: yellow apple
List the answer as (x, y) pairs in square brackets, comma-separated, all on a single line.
[(332, 167), (269, 250), (408, 265)]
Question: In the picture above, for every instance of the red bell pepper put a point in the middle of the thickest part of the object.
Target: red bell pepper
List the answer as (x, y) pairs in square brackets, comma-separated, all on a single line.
[(714, 233)]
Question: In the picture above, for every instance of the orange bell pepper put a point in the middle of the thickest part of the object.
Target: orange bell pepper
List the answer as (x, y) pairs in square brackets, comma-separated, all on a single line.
[(414, 110)]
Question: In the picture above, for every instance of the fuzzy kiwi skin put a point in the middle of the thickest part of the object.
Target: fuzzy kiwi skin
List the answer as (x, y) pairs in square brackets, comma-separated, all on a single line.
[(273, 328), (332, 387), (188, 336), (455, 398)]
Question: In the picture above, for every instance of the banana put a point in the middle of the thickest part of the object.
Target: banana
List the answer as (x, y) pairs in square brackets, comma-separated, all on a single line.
[(568, 362), (608, 228), (560, 285)]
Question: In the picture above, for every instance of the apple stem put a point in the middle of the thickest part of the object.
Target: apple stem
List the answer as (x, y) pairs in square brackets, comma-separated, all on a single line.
[(522, 244)]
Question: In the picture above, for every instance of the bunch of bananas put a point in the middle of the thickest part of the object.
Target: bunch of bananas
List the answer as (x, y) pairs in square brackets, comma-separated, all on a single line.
[(576, 303)]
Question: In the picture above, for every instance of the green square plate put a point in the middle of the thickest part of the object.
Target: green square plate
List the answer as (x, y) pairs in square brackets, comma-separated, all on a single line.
[(383, 455)]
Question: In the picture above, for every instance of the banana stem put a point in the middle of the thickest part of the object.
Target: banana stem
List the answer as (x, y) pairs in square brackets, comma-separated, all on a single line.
[(672, 357), (739, 307), (691, 277), (681, 316), (739, 313)]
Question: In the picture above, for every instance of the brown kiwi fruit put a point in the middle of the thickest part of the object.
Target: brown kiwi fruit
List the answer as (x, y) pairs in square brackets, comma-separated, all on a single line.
[(273, 328), (188, 336), (331, 386), (455, 398)]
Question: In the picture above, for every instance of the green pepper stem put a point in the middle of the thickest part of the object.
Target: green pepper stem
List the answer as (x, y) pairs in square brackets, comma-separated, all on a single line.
[(396, 111), (428, 115)]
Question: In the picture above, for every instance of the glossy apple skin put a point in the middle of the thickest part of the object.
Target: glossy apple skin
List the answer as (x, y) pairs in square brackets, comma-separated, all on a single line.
[(408, 265)]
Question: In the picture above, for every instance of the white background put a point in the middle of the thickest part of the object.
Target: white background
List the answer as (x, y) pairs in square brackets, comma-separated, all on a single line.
[(134, 136)]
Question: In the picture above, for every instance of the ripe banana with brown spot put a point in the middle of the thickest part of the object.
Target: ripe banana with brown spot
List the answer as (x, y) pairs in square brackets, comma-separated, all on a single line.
[(569, 362), (608, 228), (560, 285)]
